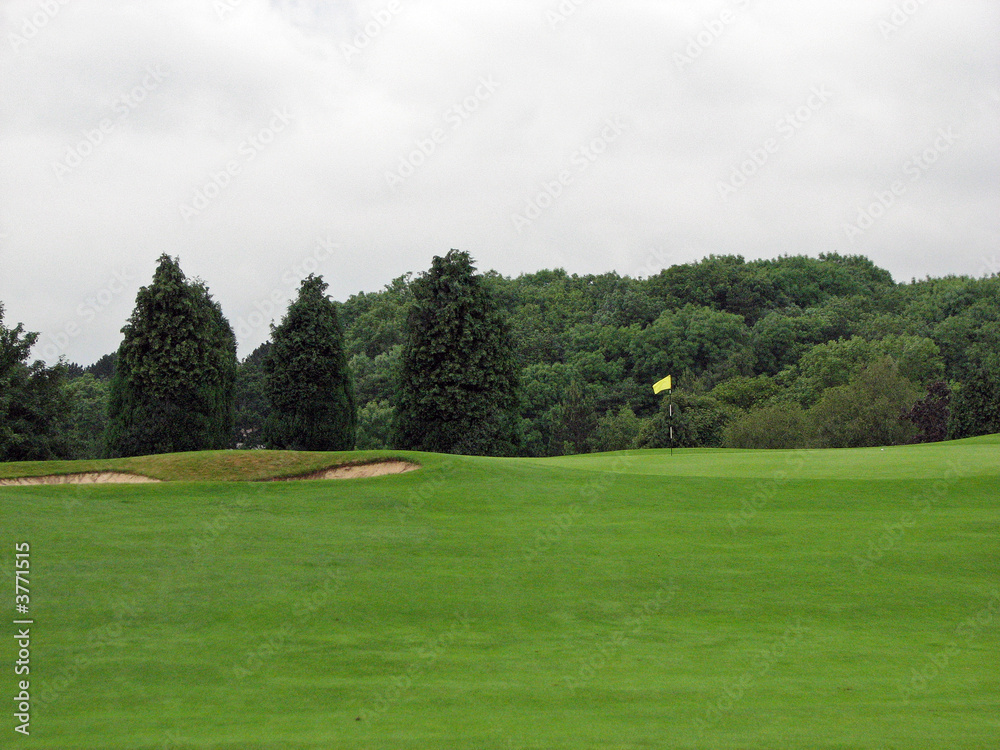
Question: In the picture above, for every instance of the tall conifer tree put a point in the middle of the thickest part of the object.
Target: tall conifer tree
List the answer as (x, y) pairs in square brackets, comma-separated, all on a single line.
[(173, 385), (307, 381), (457, 391)]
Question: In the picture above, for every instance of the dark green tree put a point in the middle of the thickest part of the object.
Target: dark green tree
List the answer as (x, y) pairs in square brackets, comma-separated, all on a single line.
[(930, 414), (176, 368), (87, 416), (868, 411), (375, 426), (307, 381), (250, 402), (457, 389), (33, 401), (975, 406), (104, 368), (618, 432), (780, 425), (573, 422), (698, 422)]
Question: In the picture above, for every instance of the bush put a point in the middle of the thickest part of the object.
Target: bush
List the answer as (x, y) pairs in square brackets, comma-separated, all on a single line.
[(618, 432), (698, 423), (374, 426), (866, 412), (770, 426)]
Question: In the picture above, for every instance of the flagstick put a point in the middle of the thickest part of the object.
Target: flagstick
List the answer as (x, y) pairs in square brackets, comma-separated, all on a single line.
[(670, 401)]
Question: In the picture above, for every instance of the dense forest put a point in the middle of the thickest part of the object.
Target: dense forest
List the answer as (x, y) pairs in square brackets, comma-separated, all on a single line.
[(782, 353)]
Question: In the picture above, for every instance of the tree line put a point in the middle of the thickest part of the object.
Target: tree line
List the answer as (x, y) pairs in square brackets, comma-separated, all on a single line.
[(780, 353)]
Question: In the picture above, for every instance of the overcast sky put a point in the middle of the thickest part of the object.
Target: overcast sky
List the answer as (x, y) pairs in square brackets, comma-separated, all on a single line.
[(259, 140)]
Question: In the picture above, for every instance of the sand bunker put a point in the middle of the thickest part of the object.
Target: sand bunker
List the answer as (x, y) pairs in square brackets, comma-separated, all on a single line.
[(357, 471), (353, 471), (92, 477)]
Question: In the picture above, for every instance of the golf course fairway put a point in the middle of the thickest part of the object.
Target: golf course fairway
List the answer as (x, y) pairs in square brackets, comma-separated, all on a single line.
[(745, 600)]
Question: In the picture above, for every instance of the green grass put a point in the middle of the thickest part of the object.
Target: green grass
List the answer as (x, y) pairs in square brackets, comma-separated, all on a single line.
[(713, 599)]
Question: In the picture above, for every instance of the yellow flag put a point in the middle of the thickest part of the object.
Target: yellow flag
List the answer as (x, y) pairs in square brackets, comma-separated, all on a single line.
[(663, 385)]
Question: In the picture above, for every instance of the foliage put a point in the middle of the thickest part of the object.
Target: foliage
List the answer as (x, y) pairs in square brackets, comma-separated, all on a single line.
[(930, 414), (780, 425), (374, 323), (976, 405), (457, 387), (32, 401), (87, 415), (618, 432), (306, 378), (104, 368), (250, 400), (748, 334), (572, 422), (744, 392), (693, 339), (868, 411), (375, 425), (698, 421), (176, 368), (835, 363)]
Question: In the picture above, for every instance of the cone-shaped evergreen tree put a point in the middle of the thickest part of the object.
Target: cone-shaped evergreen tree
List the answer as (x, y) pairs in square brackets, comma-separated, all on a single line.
[(457, 391), (173, 385), (307, 381)]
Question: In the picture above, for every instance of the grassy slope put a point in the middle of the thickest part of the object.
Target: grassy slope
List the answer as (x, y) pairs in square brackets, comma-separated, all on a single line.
[(590, 602)]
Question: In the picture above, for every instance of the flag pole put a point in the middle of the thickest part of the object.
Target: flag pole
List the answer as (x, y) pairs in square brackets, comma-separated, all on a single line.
[(667, 384)]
